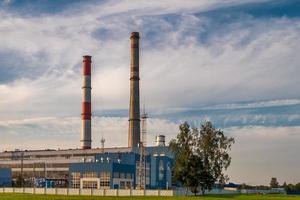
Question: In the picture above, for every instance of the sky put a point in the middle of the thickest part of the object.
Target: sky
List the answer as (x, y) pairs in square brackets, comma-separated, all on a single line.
[(232, 62)]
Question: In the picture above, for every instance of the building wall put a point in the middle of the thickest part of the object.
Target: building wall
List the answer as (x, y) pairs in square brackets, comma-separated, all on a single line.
[(107, 172), (5, 177), (161, 177), (51, 164)]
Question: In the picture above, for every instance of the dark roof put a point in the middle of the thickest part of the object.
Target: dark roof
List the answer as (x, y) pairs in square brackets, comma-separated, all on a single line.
[(231, 185)]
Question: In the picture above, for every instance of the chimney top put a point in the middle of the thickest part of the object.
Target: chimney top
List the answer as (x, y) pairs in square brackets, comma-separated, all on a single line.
[(135, 35), (87, 57)]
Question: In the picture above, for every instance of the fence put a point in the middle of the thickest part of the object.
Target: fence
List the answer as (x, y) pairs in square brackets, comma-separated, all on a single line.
[(271, 191), (182, 192), (89, 192)]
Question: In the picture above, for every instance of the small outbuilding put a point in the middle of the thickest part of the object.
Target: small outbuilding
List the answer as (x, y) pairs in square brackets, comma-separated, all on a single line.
[(231, 187)]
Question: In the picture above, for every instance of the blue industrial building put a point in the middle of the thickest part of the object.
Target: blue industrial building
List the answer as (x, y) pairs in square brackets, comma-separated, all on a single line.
[(121, 170), (109, 168), (5, 177)]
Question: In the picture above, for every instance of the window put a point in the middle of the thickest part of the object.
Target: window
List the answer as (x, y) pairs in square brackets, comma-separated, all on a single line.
[(75, 175), (90, 175), (89, 184), (104, 179), (122, 184), (104, 175), (161, 170), (75, 179), (128, 185)]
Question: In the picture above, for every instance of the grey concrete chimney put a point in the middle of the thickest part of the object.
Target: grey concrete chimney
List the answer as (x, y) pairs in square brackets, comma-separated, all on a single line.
[(134, 106)]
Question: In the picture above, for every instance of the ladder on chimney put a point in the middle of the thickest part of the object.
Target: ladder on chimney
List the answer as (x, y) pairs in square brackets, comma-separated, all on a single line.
[(142, 163)]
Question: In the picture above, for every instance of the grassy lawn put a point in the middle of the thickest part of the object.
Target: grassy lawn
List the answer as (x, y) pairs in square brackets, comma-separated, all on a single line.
[(8, 196)]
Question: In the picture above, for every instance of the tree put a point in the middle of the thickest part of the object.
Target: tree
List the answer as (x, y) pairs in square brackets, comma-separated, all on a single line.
[(20, 181), (200, 157), (182, 149), (274, 183), (297, 187), (195, 169), (285, 186), (213, 146)]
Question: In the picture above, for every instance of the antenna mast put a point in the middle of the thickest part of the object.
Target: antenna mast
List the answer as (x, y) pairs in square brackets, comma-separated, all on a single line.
[(142, 145)]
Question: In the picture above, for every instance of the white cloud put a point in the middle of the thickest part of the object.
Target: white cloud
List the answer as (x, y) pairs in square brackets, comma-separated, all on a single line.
[(144, 7), (64, 132), (172, 63), (259, 104), (265, 133)]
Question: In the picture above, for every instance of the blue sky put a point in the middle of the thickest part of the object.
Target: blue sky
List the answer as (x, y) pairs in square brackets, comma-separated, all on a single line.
[(232, 62)]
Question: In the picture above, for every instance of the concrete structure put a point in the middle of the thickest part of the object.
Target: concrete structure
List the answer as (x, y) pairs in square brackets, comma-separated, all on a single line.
[(86, 132), (5, 177), (134, 106), (87, 192)]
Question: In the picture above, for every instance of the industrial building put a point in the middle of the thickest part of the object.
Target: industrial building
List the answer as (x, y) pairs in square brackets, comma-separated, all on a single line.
[(136, 166)]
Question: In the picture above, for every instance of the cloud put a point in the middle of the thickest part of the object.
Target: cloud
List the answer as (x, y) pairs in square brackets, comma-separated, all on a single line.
[(33, 132), (174, 53), (261, 104), (265, 133)]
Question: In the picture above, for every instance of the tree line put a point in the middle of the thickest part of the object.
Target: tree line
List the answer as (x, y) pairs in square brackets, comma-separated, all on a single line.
[(273, 184)]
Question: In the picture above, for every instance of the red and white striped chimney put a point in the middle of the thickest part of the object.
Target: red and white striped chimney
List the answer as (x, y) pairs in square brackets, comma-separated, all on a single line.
[(85, 137)]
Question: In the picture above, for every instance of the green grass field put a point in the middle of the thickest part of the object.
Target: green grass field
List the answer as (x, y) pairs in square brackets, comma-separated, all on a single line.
[(9, 196)]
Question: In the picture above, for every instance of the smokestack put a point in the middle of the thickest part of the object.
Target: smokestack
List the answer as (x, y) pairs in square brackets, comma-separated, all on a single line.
[(85, 137), (134, 106)]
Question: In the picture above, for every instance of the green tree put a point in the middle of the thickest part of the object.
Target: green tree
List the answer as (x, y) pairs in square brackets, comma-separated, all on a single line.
[(200, 157), (195, 169), (182, 149), (274, 183), (297, 187), (20, 181), (285, 186), (212, 146)]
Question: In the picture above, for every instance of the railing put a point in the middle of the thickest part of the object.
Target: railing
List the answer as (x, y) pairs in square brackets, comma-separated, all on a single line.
[(88, 192)]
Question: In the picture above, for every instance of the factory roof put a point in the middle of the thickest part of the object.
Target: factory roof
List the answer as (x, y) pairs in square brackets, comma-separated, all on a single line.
[(72, 152), (62, 152)]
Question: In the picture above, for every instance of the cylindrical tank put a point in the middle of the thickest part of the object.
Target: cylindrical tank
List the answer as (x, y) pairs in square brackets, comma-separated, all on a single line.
[(160, 140)]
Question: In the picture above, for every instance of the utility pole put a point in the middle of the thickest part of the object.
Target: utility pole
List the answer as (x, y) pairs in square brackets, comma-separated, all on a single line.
[(45, 173), (22, 166)]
